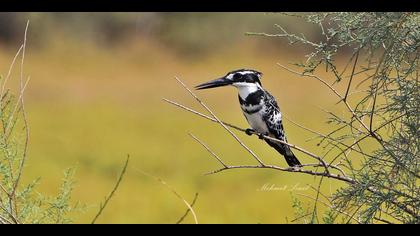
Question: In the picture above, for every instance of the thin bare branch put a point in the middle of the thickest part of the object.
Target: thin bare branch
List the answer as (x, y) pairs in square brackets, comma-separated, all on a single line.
[(201, 114), (4, 220), (289, 169), (188, 210), (189, 206), (315, 209), (4, 190), (10, 214), (208, 149), (351, 76), (313, 76), (383, 220), (120, 178), (10, 71)]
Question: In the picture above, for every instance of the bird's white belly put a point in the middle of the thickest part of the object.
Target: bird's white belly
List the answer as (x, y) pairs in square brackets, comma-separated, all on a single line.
[(256, 122)]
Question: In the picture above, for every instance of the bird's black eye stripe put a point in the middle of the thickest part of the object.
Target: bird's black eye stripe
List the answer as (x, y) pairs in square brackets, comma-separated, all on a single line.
[(245, 77), (237, 76)]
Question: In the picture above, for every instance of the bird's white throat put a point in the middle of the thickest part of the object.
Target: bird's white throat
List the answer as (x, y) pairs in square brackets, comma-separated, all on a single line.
[(245, 89)]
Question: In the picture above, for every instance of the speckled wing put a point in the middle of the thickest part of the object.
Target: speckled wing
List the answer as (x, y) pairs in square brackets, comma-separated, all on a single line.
[(273, 117), (274, 123)]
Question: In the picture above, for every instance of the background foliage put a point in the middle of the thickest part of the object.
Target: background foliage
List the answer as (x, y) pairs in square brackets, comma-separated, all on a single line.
[(384, 56)]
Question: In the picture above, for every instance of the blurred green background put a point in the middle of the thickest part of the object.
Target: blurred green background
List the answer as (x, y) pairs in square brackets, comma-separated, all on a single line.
[(95, 95)]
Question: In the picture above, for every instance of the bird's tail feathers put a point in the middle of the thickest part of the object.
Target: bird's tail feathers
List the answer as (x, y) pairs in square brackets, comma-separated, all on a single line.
[(285, 150)]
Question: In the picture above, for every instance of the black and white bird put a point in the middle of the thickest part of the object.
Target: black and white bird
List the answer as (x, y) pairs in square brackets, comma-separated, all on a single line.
[(259, 107)]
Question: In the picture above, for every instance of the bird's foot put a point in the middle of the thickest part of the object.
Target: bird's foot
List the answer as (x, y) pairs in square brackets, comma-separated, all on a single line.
[(261, 136), (249, 131), (297, 167)]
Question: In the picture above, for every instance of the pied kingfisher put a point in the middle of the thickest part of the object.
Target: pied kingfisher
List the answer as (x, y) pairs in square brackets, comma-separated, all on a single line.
[(259, 107)]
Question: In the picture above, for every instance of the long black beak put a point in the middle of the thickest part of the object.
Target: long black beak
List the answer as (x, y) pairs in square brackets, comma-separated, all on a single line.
[(214, 83)]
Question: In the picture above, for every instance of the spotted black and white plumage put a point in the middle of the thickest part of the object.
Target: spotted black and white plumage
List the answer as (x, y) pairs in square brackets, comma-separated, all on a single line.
[(259, 108)]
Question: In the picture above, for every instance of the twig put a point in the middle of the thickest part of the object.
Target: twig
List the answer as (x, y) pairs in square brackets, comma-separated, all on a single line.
[(14, 219), (391, 44), (382, 220), (285, 34), (314, 211), (189, 206), (300, 217), (313, 76), (10, 71), (352, 74), (373, 106), (188, 210), (289, 169), (4, 190), (4, 220), (120, 178), (209, 150), (201, 114), (18, 107)]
